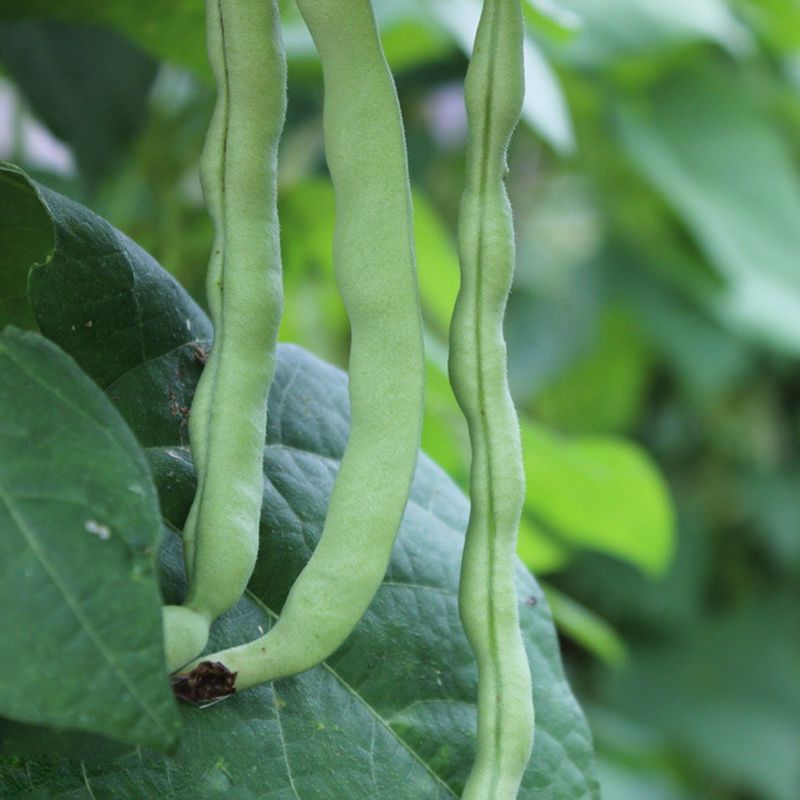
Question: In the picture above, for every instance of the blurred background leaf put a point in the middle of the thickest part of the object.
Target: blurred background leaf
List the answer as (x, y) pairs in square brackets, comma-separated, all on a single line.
[(89, 86), (727, 171)]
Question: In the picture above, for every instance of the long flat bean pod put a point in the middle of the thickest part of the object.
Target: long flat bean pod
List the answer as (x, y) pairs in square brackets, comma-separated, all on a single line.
[(487, 596), (245, 294), (374, 259), (212, 165)]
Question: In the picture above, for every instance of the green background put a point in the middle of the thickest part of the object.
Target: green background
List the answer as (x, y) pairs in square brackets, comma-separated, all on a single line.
[(653, 329)]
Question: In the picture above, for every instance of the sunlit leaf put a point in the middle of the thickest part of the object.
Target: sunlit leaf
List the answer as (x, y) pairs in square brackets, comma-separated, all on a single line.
[(598, 492)]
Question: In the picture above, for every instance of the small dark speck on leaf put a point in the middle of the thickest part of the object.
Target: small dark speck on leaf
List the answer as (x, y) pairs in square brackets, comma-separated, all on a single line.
[(200, 355), (531, 601), (209, 680), (176, 409)]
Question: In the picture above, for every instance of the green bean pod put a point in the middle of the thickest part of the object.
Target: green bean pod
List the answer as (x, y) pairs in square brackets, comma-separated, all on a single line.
[(212, 164), (375, 270), (245, 296), (477, 366)]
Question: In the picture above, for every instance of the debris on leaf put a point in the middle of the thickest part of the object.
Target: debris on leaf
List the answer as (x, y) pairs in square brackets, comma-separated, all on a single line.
[(209, 680)]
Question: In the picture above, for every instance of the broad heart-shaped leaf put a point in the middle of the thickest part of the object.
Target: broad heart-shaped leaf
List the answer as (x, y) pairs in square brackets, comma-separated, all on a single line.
[(80, 627), (391, 714), (131, 313)]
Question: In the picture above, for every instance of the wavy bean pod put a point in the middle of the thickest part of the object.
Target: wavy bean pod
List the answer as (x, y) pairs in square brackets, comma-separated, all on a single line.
[(374, 258), (212, 165), (487, 596), (245, 293)]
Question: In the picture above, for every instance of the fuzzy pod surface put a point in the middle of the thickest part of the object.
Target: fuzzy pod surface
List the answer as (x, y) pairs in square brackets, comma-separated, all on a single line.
[(228, 420), (477, 366)]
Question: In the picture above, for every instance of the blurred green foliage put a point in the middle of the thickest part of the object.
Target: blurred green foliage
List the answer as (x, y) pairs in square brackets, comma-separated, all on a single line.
[(653, 330)]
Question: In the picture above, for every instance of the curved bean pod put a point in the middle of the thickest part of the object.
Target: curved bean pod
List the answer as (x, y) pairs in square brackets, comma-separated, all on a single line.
[(245, 294), (374, 258), (212, 165), (477, 366)]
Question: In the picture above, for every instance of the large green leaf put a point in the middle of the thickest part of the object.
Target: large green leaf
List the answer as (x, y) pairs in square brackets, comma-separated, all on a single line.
[(391, 713), (135, 315), (399, 694), (135, 328), (79, 528)]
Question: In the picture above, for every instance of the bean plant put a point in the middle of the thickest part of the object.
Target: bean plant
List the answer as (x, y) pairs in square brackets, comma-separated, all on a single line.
[(249, 624)]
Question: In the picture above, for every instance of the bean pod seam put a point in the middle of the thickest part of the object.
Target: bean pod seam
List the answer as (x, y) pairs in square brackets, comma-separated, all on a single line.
[(245, 294), (477, 366)]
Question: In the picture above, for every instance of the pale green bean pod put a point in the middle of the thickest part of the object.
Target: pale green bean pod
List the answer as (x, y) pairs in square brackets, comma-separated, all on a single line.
[(245, 296), (487, 595), (374, 258), (212, 166)]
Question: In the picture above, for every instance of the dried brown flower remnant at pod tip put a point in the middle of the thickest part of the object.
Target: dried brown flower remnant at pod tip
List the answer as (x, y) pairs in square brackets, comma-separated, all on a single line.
[(208, 681)]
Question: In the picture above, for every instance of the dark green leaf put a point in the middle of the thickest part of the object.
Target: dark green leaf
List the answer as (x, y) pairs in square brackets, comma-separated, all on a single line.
[(27, 236), (399, 695), (99, 295), (79, 528), (109, 304)]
